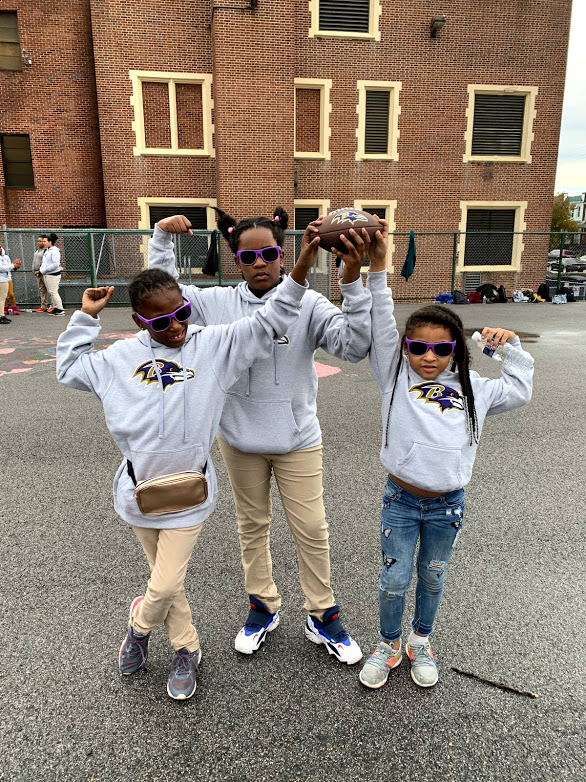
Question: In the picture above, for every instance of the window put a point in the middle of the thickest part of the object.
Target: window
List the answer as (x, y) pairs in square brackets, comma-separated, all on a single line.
[(190, 251), (386, 211), (172, 113), (312, 118), (491, 236), (307, 210), (17, 161), (500, 123), (378, 120), (345, 19), (10, 53)]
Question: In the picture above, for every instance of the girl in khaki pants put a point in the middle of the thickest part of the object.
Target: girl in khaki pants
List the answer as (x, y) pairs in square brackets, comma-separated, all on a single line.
[(269, 425)]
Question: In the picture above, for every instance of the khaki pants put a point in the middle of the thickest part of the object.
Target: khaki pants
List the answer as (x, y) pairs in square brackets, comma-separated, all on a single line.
[(299, 479), (52, 285), (168, 552), (10, 295), (3, 295), (43, 290)]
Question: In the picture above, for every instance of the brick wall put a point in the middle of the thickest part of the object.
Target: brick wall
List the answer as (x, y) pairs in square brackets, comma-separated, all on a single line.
[(54, 102), (150, 36), (254, 57)]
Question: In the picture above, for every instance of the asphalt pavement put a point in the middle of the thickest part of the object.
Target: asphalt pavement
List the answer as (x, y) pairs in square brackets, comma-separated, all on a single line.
[(512, 611)]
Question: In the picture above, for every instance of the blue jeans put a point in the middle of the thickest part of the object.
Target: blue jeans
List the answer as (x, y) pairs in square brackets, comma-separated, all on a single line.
[(405, 518)]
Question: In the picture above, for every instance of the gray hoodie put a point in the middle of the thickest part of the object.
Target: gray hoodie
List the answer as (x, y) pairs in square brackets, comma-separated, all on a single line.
[(168, 425), (425, 441), (38, 259), (272, 408), (6, 267)]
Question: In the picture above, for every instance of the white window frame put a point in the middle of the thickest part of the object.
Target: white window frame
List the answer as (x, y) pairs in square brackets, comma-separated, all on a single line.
[(389, 207), (325, 109), (394, 88), (172, 79), (373, 33), (323, 207), (519, 227), (145, 223), (528, 118)]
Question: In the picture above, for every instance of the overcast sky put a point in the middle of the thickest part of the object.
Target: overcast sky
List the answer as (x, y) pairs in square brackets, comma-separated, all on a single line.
[(571, 170)]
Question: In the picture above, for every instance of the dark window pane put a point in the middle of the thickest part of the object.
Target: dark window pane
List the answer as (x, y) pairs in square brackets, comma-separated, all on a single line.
[(304, 215), (484, 248), (498, 124), (10, 54), (17, 161), (344, 15)]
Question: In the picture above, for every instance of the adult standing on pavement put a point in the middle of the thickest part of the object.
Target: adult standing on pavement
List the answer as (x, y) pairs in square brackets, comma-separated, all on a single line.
[(51, 271), (269, 427), (6, 267), (42, 244)]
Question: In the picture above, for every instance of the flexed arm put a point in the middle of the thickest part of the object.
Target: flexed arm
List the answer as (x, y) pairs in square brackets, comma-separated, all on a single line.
[(162, 256), (77, 366)]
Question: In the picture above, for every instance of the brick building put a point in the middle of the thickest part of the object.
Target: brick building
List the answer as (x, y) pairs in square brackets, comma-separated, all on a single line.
[(137, 110)]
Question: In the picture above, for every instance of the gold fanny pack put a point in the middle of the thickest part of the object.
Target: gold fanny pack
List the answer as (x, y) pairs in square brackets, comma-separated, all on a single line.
[(169, 493)]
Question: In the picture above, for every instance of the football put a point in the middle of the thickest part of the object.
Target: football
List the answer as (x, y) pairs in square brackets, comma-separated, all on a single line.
[(339, 222)]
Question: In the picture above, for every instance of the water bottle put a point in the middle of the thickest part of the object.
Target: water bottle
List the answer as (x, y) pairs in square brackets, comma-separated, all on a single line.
[(514, 356)]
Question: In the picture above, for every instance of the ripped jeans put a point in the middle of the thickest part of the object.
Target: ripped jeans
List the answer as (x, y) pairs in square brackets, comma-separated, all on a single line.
[(405, 518)]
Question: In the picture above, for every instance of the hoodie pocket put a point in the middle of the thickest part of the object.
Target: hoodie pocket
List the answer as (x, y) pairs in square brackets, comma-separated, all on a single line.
[(432, 467), (260, 427)]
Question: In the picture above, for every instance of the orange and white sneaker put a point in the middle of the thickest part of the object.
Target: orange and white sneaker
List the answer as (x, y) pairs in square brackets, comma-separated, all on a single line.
[(381, 662), (423, 665)]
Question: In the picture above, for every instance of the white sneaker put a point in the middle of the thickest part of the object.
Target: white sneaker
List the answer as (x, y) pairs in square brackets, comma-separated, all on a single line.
[(332, 634), (255, 629)]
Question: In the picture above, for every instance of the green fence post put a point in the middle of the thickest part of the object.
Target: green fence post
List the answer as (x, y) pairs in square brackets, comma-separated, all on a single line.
[(454, 259), (562, 245), (90, 245)]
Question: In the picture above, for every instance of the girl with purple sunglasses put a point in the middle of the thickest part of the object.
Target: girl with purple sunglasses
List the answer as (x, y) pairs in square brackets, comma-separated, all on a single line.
[(433, 409), (163, 393), (269, 428)]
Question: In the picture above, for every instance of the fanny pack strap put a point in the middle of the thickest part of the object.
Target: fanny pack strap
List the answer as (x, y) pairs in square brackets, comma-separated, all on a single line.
[(130, 471), (132, 476)]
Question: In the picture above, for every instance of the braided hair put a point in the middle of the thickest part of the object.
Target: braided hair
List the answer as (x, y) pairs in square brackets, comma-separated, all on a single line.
[(232, 230), (148, 282), (436, 315)]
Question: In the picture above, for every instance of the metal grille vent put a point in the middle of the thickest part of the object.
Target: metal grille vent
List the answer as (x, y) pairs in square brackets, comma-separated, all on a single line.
[(350, 16), (498, 124), (486, 248), (376, 133), (195, 214)]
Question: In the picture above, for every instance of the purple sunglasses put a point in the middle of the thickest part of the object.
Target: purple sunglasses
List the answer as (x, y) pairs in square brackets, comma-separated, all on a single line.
[(268, 254), (441, 349), (162, 322)]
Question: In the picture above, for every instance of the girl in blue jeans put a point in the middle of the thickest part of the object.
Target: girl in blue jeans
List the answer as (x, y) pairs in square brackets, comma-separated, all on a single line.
[(433, 409)]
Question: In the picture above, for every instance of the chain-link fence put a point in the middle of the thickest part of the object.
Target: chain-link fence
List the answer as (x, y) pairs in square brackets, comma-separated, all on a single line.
[(95, 257), (112, 257)]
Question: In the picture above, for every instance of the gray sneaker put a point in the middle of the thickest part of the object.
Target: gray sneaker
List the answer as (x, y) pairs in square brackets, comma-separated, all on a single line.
[(135, 647), (375, 671), (183, 676), (423, 667)]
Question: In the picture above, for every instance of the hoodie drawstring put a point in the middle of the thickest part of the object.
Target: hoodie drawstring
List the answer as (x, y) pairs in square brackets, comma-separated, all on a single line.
[(186, 431)]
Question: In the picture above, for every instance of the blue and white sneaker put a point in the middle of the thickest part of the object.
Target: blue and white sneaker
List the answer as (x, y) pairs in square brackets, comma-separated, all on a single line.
[(332, 634), (260, 622)]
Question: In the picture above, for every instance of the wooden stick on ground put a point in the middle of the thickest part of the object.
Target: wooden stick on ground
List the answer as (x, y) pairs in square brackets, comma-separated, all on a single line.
[(495, 684)]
